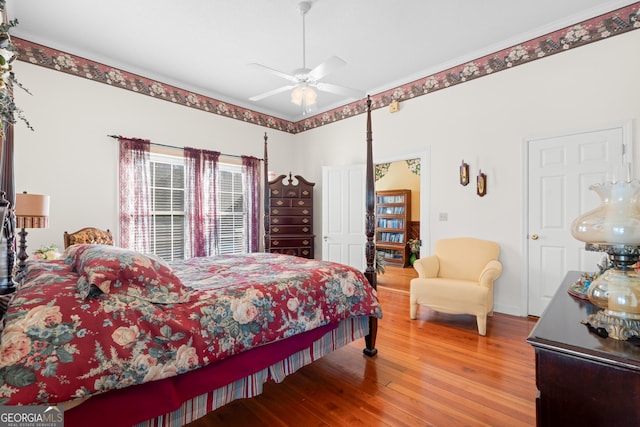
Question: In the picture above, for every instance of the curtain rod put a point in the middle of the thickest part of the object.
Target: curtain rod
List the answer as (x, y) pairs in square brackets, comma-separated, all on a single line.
[(177, 148)]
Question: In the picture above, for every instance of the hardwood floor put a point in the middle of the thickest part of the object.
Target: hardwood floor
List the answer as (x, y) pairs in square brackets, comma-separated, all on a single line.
[(396, 278), (432, 371)]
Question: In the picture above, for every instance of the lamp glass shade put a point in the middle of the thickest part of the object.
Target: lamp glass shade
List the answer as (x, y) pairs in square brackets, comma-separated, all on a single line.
[(310, 96), (296, 95), (306, 93), (616, 221)]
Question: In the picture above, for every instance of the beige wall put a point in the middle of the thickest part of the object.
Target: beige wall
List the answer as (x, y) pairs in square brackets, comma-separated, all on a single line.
[(484, 122), (400, 177)]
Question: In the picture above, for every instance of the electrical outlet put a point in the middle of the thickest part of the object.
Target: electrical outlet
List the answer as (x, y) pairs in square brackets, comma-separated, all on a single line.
[(394, 107), (443, 216)]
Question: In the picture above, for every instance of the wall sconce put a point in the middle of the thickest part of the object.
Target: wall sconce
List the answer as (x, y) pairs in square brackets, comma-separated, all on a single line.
[(32, 211), (464, 173), (482, 183)]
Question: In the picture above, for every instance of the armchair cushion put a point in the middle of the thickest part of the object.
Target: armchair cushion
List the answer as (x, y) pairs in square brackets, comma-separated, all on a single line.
[(464, 258)]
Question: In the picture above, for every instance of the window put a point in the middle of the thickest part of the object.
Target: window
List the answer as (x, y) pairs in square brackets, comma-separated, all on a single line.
[(168, 194), (167, 207), (231, 214)]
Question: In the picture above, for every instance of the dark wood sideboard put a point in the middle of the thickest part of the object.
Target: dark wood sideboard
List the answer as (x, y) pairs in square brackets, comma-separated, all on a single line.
[(583, 379), (291, 216)]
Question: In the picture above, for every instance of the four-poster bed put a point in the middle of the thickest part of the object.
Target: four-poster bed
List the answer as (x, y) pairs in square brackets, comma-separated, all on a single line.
[(108, 328)]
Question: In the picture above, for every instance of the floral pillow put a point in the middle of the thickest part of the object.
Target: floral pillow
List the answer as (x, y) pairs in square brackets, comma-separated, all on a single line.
[(116, 271)]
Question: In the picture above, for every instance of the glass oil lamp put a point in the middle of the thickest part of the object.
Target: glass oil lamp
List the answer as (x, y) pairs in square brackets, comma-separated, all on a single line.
[(614, 228)]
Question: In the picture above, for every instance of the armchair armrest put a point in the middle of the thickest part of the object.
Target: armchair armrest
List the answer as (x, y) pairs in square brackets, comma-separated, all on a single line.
[(427, 266), (490, 273)]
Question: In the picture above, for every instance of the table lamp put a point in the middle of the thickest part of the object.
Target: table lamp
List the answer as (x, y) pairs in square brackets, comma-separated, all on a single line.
[(32, 211), (614, 228)]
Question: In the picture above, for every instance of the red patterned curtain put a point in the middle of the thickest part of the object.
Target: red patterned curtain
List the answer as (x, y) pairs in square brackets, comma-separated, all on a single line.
[(201, 183), (251, 182), (135, 195)]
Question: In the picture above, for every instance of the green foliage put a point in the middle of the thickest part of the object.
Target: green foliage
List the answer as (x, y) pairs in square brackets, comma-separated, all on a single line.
[(9, 111), (380, 269)]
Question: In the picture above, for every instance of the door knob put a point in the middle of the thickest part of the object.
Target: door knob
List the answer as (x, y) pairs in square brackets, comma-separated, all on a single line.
[(534, 237)]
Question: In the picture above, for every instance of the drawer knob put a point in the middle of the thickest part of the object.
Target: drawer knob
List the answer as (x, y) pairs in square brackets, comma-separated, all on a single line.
[(275, 220), (275, 229), (275, 242), (305, 211), (305, 220), (305, 242), (305, 229), (279, 202), (301, 202), (275, 211)]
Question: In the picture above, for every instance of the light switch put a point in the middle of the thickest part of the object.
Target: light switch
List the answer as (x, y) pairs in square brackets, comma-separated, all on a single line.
[(444, 216)]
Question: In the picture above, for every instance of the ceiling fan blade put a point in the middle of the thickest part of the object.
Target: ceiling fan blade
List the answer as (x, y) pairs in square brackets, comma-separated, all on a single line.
[(326, 67), (340, 90), (282, 74), (271, 92)]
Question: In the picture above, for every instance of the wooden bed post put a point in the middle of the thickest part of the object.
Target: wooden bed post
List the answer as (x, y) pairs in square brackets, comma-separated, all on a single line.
[(266, 197), (370, 223)]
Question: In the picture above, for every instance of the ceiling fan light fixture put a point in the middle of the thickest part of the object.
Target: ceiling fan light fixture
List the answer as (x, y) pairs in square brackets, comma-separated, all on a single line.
[(304, 93), (305, 83)]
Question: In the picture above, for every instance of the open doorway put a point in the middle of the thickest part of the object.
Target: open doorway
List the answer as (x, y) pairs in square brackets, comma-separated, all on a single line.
[(343, 211), (398, 220)]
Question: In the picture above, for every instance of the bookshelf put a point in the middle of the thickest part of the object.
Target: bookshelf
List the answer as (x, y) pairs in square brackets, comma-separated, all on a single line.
[(393, 217)]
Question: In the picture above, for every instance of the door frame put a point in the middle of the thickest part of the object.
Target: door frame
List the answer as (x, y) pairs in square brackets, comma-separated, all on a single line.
[(627, 138), (425, 194)]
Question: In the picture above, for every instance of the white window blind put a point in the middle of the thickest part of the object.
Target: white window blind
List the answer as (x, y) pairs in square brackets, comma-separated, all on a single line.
[(167, 196), (231, 214)]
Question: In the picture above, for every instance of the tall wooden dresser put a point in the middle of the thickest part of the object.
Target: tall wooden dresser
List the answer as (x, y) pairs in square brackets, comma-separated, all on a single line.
[(291, 216)]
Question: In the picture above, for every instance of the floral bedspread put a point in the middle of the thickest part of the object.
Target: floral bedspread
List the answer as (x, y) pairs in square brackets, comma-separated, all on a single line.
[(57, 346)]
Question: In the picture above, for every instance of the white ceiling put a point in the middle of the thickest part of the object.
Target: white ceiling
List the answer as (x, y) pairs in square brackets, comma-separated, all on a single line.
[(205, 46)]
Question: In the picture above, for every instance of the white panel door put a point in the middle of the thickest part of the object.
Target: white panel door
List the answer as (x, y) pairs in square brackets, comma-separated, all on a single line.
[(343, 215), (561, 169)]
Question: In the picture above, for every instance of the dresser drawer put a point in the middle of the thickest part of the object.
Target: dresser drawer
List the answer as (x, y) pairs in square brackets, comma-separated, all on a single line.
[(283, 242), (285, 192), (291, 229), (286, 203), (290, 211), (302, 247), (301, 252), (290, 220), (305, 193)]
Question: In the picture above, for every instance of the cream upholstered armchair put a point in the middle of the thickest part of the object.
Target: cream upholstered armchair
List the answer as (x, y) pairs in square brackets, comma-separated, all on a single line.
[(458, 279)]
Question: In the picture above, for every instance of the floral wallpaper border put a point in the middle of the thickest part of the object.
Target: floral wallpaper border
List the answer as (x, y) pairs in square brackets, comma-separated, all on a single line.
[(599, 28), (381, 169)]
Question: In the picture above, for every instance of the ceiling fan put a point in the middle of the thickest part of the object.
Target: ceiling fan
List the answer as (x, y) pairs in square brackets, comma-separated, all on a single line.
[(304, 81)]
